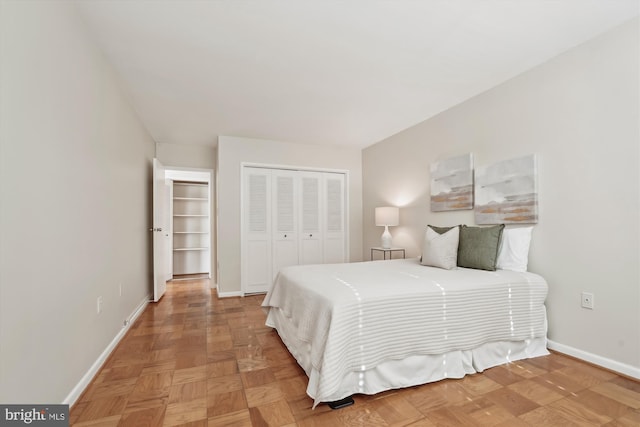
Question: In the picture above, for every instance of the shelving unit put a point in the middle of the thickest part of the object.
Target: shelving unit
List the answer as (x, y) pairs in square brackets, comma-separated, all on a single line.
[(191, 238)]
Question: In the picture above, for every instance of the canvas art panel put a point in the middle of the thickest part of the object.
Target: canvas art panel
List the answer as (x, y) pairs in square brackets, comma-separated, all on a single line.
[(507, 192), (452, 184)]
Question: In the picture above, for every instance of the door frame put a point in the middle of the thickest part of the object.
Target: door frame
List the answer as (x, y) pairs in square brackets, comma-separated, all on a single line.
[(175, 173)]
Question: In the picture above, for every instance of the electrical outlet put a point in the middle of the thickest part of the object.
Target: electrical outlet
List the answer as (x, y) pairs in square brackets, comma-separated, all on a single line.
[(99, 305), (587, 300)]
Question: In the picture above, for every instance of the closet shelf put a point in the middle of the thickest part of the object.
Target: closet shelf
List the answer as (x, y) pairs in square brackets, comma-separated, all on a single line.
[(191, 184), (191, 227), (190, 249), (190, 232)]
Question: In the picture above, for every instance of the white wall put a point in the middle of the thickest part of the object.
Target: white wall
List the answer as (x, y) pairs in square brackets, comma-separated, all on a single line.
[(185, 156), (232, 151), (579, 112), (75, 193)]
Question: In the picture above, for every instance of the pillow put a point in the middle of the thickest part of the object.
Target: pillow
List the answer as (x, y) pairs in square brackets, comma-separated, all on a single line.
[(440, 250), (478, 247), (514, 249), (441, 230)]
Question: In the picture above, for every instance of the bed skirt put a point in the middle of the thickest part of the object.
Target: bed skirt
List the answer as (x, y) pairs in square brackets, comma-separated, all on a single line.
[(413, 370)]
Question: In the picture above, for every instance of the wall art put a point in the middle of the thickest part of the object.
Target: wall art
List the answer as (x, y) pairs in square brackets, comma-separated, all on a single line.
[(507, 192), (452, 184)]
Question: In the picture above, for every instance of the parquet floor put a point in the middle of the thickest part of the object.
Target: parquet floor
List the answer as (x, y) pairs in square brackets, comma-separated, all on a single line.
[(197, 360)]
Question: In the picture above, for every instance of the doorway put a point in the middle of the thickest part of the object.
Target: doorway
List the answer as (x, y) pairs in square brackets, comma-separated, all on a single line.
[(191, 244)]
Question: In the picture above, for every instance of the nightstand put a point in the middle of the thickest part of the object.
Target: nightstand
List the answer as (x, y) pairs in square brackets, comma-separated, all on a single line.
[(386, 251)]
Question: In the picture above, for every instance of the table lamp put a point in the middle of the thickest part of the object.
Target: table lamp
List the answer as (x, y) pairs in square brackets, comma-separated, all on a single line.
[(387, 216)]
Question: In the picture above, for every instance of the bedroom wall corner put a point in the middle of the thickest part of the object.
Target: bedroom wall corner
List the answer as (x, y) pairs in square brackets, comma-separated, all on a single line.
[(579, 113)]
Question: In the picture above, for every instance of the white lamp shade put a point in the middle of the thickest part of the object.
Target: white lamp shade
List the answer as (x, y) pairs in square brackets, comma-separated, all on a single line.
[(387, 216)]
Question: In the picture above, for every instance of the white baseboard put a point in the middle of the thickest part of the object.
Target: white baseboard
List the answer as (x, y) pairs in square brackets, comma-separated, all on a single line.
[(93, 370), (230, 294), (613, 365)]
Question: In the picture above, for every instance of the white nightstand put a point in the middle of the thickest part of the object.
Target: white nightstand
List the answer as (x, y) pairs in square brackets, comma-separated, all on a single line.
[(386, 251)]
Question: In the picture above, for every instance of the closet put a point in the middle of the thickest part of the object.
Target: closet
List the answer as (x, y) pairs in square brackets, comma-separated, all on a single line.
[(290, 217), (190, 228)]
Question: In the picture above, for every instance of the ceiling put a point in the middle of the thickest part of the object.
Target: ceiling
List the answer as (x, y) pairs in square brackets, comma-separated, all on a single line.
[(349, 72)]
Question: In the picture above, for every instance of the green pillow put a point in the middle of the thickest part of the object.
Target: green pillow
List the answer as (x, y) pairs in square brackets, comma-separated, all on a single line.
[(478, 247), (441, 230)]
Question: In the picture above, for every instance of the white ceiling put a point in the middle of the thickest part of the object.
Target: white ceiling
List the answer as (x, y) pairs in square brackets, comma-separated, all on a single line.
[(349, 72)]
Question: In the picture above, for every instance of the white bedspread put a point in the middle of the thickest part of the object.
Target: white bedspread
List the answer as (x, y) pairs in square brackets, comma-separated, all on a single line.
[(353, 317)]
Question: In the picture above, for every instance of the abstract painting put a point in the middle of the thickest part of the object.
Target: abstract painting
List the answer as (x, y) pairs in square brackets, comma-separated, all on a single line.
[(507, 192), (452, 184)]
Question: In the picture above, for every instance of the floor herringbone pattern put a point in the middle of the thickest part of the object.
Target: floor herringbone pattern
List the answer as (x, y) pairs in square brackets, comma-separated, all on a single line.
[(196, 360)]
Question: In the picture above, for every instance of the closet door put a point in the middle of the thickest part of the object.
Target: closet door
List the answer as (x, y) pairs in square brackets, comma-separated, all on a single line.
[(310, 218), (285, 219), (256, 253), (334, 213)]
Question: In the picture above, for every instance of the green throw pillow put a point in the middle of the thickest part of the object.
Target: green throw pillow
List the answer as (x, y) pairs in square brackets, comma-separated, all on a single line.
[(478, 247), (441, 230)]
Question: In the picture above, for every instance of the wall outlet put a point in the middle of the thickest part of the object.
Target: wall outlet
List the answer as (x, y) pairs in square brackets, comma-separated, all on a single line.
[(587, 300), (99, 305)]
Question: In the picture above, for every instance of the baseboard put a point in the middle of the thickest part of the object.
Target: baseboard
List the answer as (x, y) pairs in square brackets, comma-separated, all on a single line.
[(93, 370), (613, 365), (230, 294)]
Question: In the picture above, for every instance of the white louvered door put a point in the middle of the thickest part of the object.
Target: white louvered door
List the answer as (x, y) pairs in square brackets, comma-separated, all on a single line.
[(285, 219), (311, 218), (290, 217), (334, 213), (256, 248)]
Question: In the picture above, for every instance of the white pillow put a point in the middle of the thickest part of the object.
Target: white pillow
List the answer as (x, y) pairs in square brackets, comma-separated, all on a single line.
[(514, 249), (440, 250)]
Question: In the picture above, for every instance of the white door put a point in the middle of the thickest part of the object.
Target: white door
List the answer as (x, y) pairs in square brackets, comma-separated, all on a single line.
[(334, 224), (160, 231), (285, 219), (310, 218), (256, 226)]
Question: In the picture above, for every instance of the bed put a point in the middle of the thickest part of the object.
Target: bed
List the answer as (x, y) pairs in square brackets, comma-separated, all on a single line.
[(366, 327)]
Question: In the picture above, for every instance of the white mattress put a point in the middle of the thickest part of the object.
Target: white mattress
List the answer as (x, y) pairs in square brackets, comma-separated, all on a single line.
[(372, 326)]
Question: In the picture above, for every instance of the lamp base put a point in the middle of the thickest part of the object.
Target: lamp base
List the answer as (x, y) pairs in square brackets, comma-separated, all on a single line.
[(385, 240)]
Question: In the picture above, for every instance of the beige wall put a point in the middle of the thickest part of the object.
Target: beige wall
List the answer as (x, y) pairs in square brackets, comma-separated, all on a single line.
[(75, 192), (579, 113), (184, 156), (232, 151)]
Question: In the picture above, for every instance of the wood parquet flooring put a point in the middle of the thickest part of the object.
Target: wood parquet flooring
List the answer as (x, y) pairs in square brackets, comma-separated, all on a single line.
[(197, 360)]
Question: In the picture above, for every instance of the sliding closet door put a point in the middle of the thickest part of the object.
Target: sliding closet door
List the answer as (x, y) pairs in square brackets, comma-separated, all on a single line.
[(256, 250), (311, 238), (334, 224), (285, 219)]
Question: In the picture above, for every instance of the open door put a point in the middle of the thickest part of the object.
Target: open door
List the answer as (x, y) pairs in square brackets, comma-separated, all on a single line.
[(160, 230)]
